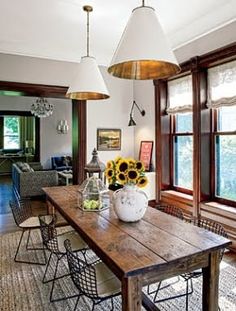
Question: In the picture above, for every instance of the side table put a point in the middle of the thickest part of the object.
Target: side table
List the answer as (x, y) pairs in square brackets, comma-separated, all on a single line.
[(66, 177)]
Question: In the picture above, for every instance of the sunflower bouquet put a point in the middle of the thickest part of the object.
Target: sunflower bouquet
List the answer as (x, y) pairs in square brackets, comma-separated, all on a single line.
[(124, 171)]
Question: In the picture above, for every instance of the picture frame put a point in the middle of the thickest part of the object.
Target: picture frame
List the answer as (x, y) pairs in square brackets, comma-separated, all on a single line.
[(145, 153), (108, 139)]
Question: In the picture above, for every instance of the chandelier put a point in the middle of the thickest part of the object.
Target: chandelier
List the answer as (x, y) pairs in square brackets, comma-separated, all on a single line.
[(41, 108)]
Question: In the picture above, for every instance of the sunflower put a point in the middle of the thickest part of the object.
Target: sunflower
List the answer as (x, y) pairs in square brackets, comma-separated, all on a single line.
[(132, 175), (139, 166), (131, 162), (109, 173), (110, 164), (123, 165), (117, 159), (142, 181), (122, 179)]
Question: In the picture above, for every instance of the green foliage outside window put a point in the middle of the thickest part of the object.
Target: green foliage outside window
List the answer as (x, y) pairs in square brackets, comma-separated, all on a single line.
[(11, 133)]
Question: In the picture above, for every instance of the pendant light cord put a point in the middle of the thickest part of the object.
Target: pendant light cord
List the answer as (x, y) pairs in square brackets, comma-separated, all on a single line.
[(143, 2), (87, 33)]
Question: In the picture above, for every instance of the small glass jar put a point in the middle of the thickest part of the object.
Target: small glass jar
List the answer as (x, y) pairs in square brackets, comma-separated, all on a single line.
[(93, 195)]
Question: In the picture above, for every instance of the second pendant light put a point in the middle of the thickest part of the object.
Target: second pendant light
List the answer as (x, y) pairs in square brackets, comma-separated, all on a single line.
[(88, 83)]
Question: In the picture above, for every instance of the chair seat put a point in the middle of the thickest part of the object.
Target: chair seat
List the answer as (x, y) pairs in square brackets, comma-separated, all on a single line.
[(77, 243), (107, 283), (33, 222)]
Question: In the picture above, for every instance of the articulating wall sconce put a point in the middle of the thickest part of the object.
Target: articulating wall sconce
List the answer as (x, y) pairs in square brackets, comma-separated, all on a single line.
[(131, 120), (62, 127)]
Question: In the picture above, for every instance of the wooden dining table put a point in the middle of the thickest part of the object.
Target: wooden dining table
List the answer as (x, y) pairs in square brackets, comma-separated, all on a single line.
[(155, 248)]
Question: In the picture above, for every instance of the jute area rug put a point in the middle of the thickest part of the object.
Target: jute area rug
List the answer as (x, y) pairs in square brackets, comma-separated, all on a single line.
[(21, 287)]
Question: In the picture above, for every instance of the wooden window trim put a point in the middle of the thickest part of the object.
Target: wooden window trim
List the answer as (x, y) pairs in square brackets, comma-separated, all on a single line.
[(197, 66)]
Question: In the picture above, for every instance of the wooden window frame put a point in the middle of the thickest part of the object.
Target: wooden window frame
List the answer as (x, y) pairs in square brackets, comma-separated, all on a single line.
[(215, 133), (173, 134), (202, 129)]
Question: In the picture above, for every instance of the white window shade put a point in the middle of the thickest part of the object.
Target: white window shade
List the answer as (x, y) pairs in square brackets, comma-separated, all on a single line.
[(180, 95), (222, 85)]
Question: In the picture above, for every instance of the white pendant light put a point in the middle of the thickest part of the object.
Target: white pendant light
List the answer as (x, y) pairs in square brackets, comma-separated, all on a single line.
[(143, 52), (88, 83)]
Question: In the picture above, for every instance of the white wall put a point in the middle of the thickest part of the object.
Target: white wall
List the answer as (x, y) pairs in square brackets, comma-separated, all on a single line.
[(145, 128), (51, 142), (112, 113)]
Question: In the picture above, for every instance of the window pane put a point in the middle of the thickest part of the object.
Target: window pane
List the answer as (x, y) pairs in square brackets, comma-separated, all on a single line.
[(227, 119), (184, 123), (183, 162), (11, 133), (226, 167)]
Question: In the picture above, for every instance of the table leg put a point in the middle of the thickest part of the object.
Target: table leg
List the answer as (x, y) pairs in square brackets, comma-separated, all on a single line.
[(50, 208), (132, 294), (210, 286)]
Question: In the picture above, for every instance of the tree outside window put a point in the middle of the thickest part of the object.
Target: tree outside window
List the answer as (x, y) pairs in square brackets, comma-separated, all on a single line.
[(11, 133)]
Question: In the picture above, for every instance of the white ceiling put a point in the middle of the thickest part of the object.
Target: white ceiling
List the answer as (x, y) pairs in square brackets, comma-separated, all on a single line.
[(56, 29)]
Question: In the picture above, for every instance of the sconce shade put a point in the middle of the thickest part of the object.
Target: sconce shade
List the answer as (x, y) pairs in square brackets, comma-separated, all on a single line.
[(143, 52), (131, 122), (89, 83)]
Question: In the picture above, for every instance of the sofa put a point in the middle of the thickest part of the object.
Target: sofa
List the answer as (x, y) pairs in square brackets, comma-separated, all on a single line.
[(28, 182), (63, 163)]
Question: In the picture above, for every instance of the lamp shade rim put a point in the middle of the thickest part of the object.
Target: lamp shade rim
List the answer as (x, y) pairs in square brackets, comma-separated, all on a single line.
[(87, 95), (144, 69)]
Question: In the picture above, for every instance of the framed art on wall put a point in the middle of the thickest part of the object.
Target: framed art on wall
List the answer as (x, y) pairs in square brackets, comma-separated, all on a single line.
[(145, 153), (108, 139)]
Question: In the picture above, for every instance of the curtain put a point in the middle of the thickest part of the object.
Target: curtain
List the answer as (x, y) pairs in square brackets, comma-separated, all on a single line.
[(27, 132), (222, 85), (180, 95)]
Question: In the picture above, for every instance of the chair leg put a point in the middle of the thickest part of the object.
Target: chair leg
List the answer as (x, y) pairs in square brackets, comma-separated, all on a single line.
[(157, 291), (93, 307), (77, 301), (24, 261), (112, 304), (46, 270)]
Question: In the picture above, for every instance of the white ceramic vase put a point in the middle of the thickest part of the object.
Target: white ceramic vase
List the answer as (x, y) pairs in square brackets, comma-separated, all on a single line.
[(130, 203)]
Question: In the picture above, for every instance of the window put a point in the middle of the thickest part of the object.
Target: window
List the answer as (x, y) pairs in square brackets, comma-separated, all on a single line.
[(11, 133), (180, 108), (183, 151), (225, 153), (222, 100)]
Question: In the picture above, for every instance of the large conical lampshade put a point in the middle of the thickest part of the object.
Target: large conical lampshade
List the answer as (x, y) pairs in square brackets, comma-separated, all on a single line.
[(144, 51), (88, 83)]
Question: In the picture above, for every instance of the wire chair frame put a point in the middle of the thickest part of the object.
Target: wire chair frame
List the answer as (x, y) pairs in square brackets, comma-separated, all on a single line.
[(211, 226), (172, 210), (50, 241), (21, 211), (208, 225), (84, 277)]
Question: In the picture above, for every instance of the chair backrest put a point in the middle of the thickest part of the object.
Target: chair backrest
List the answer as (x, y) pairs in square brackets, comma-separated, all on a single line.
[(83, 274), (49, 233), (172, 210), (211, 226), (21, 210)]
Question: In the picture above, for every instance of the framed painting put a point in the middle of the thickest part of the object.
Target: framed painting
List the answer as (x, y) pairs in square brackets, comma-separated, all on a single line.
[(108, 139), (145, 154)]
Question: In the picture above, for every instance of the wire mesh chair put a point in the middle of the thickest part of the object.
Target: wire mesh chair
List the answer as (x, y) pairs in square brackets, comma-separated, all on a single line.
[(54, 243), (94, 281), (175, 212), (188, 277), (25, 220), (211, 226)]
